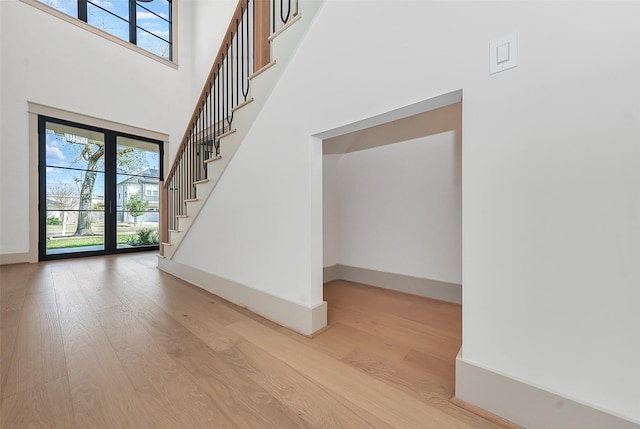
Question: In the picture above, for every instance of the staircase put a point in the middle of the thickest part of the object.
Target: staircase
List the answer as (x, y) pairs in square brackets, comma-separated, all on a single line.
[(260, 41)]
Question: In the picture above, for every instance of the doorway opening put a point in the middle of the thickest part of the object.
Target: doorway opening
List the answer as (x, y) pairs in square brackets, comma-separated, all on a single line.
[(392, 201), (392, 242), (98, 190)]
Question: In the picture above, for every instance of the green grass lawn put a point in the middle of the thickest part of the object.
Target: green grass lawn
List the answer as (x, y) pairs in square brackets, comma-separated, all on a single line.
[(125, 232), (63, 243)]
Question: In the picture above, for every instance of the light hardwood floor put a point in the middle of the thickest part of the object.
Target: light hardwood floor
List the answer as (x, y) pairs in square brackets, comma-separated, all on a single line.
[(112, 342)]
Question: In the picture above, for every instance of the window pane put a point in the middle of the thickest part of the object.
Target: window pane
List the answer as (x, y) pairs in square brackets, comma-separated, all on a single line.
[(70, 7), (72, 147), (116, 7), (151, 43), (137, 192), (107, 22), (137, 157), (62, 236), (75, 211), (146, 233), (74, 188), (65, 188), (159, 7), (153, 18), (153, 24)]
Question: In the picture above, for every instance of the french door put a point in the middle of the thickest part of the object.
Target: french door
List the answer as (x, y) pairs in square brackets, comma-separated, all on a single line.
[(99, 190)]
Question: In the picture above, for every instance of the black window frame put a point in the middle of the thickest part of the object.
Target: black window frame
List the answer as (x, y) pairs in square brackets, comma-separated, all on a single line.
[(111, 136), (82, 15)]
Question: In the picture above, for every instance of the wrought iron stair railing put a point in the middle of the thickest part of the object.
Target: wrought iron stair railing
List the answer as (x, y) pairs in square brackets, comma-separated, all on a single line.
[(243, 52)]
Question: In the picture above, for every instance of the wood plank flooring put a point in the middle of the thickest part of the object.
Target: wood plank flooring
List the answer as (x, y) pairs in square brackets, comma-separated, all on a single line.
[(112, 342)]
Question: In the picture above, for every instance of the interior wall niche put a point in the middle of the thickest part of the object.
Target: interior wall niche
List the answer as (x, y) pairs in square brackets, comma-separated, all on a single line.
[(392, 200)]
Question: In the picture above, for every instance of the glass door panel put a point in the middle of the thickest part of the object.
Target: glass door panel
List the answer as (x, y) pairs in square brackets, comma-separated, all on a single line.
[(137, 193), (74, 188), (99, 190)]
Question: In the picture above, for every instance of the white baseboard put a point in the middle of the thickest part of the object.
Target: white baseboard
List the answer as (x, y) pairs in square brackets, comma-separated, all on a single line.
[(305, 320), (15, 258), (527, 405), (428, 288), (331, 273)]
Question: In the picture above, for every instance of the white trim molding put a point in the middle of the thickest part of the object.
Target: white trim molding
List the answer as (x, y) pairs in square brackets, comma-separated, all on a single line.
[(528, 405), (35, 109), (302, 319), (435, 289), (428, 105), (14, 258), (67, 115)]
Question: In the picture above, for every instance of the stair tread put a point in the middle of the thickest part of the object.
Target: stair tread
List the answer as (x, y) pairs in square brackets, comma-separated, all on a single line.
[(297, 17), (241, 105), (221, 136), (263, 69)]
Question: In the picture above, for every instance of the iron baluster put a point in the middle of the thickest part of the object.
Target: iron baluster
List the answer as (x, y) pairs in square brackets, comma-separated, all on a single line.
[(244, 49), (285, 19)]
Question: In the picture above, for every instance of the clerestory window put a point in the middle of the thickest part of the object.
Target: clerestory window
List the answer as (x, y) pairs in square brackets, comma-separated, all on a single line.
[(145, 23)]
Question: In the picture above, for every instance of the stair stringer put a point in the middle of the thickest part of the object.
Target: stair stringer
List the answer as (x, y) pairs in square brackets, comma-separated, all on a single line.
[(284, 43)]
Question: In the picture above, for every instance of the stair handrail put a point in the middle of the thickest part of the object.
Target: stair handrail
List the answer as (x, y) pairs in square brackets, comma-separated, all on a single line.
[(222, 53), (250, 25)]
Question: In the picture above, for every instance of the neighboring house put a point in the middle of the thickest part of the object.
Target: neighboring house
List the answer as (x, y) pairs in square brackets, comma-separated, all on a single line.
[(60, 207), (549, 172), (144, 185)]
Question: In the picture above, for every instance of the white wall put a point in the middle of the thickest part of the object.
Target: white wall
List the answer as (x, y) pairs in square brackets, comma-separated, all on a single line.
[(397, 208), (52, 62), (208, 21), (331, 210), (551, 208)]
